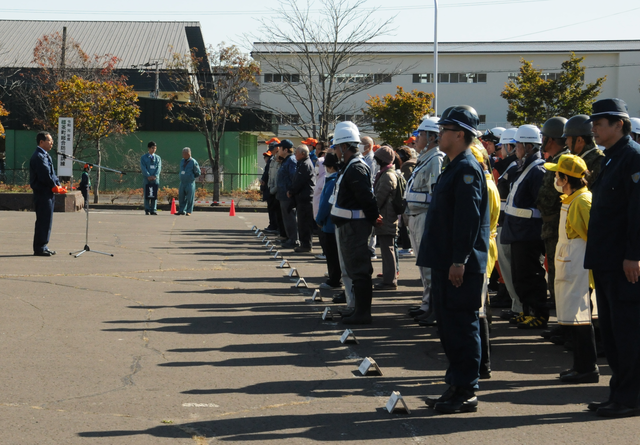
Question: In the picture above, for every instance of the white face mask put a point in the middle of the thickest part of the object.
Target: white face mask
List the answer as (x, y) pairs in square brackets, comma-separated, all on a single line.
[(557, 187), (361, 147)]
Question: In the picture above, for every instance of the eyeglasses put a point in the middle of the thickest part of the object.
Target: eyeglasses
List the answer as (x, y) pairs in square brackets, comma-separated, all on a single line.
[(443, 130)]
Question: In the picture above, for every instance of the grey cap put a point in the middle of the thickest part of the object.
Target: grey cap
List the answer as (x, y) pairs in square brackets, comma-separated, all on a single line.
[(579, 125), (554, 127)]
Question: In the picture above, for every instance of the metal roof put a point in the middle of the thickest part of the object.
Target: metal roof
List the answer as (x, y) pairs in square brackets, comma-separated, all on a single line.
[(471, 47), (132, 42)]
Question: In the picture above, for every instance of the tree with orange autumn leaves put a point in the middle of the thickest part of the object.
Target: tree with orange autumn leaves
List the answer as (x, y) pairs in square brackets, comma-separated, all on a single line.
[(99, 109)]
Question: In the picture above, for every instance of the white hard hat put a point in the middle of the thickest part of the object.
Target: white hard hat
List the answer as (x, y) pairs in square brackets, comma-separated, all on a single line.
[(498, 131), (346, 132), (507, 136), (346, 124), (430, 124), (528, 134), (635, 125)]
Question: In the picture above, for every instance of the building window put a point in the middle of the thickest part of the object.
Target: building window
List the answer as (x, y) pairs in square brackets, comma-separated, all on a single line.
[(461, 78), (482, 118), (358, 78), (280, 78), (288, 119), (423, 78)]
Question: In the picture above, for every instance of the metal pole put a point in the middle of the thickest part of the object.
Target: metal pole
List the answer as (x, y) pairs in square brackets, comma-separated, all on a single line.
[(435, 59), (157, 80)]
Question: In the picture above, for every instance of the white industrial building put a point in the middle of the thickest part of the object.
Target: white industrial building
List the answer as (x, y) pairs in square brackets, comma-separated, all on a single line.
[(475, 73)]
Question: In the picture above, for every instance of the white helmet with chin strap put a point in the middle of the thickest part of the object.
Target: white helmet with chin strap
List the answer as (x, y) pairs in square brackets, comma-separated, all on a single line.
[(528, 134), (635, 125), (430, 124), (507, 136), (345, 133)]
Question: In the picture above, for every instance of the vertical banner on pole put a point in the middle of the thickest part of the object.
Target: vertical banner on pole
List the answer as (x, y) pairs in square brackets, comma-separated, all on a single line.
[(65, 146)]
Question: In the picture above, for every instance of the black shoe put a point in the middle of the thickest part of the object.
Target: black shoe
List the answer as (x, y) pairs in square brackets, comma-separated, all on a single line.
[(431, 401), (594, 406), (340, 298), (617, 410), (428, 322), (416, 313), (146, 213), (568, 371), (427, 319), (486, 374), (508, 314), (302, 249), (558, 340), (463, 401), (45, 253), (348, 312), (546, 334), (584, 377), (154, 213)]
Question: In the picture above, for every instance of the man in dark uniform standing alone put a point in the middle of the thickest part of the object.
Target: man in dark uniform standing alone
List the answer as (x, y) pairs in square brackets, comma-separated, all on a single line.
[(44, 183), (455, 246), (613, 254)]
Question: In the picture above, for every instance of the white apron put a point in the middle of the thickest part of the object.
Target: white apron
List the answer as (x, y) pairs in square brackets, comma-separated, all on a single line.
[(573, 304)]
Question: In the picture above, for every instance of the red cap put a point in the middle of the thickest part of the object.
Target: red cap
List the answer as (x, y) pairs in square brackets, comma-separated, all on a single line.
[(276, 140), (410, 140), (267, 153), (310, 141)]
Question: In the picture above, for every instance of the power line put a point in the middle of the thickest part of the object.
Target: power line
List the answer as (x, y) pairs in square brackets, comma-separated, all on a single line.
[(259, 12)]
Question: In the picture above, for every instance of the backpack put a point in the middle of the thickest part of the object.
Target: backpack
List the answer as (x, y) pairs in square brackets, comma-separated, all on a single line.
[(398, 201)]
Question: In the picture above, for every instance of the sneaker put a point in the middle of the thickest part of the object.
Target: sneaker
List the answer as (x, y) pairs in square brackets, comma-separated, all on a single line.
[(301, 249), (320, 257), (405, 252), (340, 298), (329, 286), (326, 274), (518, 319), (533, 323), (374, 257)]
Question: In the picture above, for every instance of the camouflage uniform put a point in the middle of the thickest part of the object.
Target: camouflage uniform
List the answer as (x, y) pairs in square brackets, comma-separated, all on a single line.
[(549, 205), (592, 156)]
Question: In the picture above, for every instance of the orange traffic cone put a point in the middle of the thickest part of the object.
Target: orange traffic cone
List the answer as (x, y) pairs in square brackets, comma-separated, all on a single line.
[(232, 212), (173, 206)]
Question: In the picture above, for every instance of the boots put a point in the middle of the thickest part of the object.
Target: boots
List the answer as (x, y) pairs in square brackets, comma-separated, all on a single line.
[(363, 296), (485, 344)]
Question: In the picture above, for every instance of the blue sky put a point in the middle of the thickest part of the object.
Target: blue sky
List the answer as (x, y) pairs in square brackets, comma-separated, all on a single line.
[(458, 20)]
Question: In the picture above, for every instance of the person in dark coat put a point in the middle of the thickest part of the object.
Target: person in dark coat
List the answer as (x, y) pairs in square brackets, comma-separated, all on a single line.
[(613, 254), (301, 190), (85, 184), (455, 247), (44, 183)]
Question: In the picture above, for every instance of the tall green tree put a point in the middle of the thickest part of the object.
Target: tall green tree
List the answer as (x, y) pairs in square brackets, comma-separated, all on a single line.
[(533, 99), (395, 117), (217, 83), (99, 110)]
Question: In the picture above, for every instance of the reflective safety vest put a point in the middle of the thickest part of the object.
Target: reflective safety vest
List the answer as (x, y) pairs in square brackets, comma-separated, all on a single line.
[(415, 196), (340, 212), (509, 208)]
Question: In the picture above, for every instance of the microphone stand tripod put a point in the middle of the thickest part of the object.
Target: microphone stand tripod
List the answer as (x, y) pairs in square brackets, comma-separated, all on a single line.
[(86, 208)]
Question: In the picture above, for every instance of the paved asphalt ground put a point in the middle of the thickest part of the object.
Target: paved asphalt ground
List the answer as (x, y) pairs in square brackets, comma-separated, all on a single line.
[(191, 335)]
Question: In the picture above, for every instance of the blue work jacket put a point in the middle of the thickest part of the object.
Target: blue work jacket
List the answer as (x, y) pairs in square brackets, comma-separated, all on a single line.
[(189, 170), (614, 225), (457, 227), (323, 218), (286, 173), (150, 165), (42, 177), (515, 228)]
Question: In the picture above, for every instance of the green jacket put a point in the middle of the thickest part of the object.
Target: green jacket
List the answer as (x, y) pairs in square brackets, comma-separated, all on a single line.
[(549, 202), (592, 156)]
